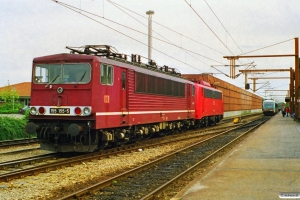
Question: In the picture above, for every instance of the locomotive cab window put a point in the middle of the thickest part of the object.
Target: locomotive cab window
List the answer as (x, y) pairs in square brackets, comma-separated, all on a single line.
[(79, 73), (106, 76)]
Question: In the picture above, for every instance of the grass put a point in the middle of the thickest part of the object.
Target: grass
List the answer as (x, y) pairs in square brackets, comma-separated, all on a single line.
[(13, 128)]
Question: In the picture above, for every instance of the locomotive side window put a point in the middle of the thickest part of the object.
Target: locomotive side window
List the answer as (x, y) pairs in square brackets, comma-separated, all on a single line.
[(140, 83), (193, 90), (123, 80), (79, 73), (155, 85), (152, 89), (212, 94), (106, 77)]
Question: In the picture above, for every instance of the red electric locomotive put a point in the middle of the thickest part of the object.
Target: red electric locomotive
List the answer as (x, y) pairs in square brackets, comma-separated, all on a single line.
[(209, 104), (94, 98)]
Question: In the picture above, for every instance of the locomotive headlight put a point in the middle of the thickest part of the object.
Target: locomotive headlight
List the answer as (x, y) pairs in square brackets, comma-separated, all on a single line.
[(87, 111), (33, 110)]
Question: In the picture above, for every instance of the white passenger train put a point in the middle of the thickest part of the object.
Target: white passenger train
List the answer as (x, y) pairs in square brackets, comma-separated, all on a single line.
[(270, 107)]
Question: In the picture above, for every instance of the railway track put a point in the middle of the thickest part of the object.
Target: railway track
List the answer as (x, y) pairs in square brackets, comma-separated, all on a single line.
[(44, 166), (149, 180), (18, 151), (244, 117), (19, 142), (16, 164)]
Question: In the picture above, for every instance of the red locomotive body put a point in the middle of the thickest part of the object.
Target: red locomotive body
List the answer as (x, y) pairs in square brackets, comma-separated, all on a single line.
[(209, 104), (85, 102), (142, 96)]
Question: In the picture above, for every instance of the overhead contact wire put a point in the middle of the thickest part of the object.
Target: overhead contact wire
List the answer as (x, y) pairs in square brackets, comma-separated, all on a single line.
[(75, 10), (155, 32), (223, 26), (167, 28), (209, 27), (267, 46)]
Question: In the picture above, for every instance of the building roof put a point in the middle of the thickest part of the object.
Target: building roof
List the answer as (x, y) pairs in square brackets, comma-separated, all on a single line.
[(24, 89)]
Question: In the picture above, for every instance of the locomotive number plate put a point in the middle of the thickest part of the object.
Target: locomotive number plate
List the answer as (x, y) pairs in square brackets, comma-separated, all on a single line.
[(59, 110)]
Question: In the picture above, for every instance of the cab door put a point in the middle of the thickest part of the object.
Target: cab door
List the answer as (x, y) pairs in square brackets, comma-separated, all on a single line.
[(124, 97)]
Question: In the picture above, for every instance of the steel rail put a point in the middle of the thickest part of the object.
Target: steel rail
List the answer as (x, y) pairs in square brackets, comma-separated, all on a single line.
[(26, 141), (19, 151), (26, 161), (89, 157), (107, 153), (162, 187), (107, 182)]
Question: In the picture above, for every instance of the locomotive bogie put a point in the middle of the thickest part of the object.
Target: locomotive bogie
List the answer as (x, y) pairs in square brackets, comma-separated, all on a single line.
[(67, 136), (113, 137)]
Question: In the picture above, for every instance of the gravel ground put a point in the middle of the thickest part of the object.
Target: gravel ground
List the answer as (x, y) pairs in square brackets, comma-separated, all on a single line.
[(56, 183), (60, 182)]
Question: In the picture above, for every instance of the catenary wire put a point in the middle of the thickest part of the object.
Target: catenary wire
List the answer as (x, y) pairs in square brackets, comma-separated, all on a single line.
[(267, 46), (223, 26), (119, 7), (208, 27), (75, 9), (80, 12), (167, 28), (180, 33)]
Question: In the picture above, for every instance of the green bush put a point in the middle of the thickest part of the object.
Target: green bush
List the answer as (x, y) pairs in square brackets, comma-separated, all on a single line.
[(7, 108), (13, 128)]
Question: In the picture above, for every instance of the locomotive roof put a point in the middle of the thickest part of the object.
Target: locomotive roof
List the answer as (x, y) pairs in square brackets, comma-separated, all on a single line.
[(269, 100), (62, 56), (109, 55)]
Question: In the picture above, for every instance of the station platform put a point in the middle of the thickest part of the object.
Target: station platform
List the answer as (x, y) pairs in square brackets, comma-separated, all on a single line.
[(266, 165)]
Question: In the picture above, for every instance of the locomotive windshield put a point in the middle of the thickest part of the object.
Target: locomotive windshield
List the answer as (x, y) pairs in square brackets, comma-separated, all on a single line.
[(269, 105), (62, 73)]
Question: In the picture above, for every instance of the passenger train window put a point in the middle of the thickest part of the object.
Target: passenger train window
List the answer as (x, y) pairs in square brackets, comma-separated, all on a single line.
[(107, 75)]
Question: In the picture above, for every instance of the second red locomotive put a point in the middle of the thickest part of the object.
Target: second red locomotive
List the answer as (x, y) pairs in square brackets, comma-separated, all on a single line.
[(93, 98)]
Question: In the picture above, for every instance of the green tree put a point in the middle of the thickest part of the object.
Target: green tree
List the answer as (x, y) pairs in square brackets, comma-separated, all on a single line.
[(11, 97)]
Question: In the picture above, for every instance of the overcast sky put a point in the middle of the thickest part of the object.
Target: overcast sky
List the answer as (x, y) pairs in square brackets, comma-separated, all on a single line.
[(190, 36)]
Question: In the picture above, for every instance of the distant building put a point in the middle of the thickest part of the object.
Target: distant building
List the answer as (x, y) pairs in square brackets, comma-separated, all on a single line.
[(24, 91)]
